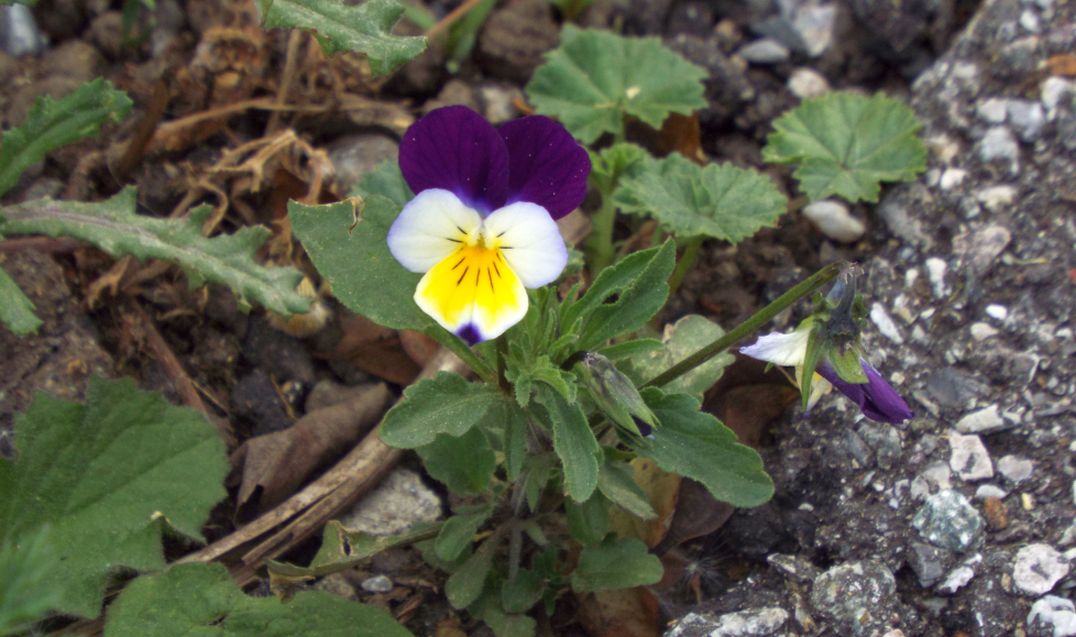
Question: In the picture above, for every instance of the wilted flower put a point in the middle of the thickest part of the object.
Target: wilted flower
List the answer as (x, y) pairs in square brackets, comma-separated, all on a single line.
[(482, 224)]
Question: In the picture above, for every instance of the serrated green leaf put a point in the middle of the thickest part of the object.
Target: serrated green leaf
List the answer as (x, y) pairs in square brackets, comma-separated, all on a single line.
[(201, 599), (16, 309), (356, 261), (588, 522), (696, 445), (573, 442), (846, 144), (385, 180), (595, 79), (464, 463), (623, 297), (618, 161), (447, 404), (113, 226), (366, 28), (681, 339), (718, 200), (51, 124), (106, 477), (26, 594), (618, 563), (458, 532), (616, 483), (466, 584)]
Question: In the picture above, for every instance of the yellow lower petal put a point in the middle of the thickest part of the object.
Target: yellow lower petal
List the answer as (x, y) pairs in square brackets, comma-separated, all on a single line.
[(473, 287)]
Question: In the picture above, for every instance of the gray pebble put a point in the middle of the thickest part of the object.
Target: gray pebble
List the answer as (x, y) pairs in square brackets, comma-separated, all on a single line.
[(998, 143), (959, 577), (401, 501), (1015, 469), (928, 562), (948, 520), (19, 34), (857, 596), (992, 111), (1052, 616), (969, 459), (377, 584), (805, 83), (990, 491), (1037, 568), (984, 421), (765, 51), (1027, 118), (833, 220), (755, 622)]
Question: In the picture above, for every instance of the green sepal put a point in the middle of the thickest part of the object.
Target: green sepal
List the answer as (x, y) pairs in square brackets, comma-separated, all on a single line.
[(614, 394), (816, 346), (846, 363)]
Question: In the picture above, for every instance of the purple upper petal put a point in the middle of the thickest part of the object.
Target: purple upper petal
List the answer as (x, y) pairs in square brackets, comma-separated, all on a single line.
[(875, 398), (546, 165), (456, 149)]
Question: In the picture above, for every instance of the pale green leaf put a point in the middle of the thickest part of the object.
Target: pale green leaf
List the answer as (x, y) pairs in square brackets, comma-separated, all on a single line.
[(464, 463), (107, 477), (349, 247), (466, 584), (16, 309), (447, 404), (696, 445), (342, 549), (618, 563), (614, 163), (681, 339), (51, 124), (573, 442), (616, 483), (26, 594), (201, 599), (113, 226), (595, 79), (718, 200), (515, 441), (366, 28), (458, 532), (846, 144)]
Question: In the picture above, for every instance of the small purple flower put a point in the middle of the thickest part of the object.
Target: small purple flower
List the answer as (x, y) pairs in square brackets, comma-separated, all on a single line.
[(482, 224), (876, 398)]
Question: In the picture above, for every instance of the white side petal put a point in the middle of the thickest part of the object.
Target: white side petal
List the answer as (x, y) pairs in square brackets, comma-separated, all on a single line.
[(780, 349), (529, 240), (429, 228)]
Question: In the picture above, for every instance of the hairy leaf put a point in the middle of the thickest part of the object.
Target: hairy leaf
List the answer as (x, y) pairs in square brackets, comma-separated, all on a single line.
[(26, 594), (617, 484), (681, 339), (617, 563), (458, 532), (846, 144), (114, 227), (447, 404), (201, 599), (385, 180), (595, 79), (366, 28), (51, 124), (466, 584), (574, 443), (107, 477), (16, 309), (464, 464)]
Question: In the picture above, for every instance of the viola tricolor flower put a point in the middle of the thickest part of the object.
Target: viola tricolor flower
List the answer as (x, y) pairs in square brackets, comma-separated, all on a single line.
[(482, 226), (875, 398)]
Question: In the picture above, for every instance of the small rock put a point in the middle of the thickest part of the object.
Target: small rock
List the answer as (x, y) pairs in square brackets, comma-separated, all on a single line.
[(19, 34), (806, 26), (997, 312), (1027, 118), (990, 491), (355, 155), (764, 51), (885, 440), (992, 111), (984, 421), (951, 178), (983, 247), (498, 101), (1015, 469), (948, 520), (1030, 21), (998, 143), (858, 597), (960, 576), (933, 479), (794, 566), (1052, 616), (283, 356), (928, 562), (255, 398), (996, 198), (377, 584), (885, 325), (981, 331), (969, 459), (401, 501), (936, 269), (833, 220), (806, 83), (1054, 91), (1037, 568), (997, 516), (756, 622)]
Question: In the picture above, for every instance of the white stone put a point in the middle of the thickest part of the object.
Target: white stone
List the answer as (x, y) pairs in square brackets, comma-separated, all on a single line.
[(932, 479), (995, 197), (377, 584), (992, 111), (1054, 90), (885, 325), (998, 143), (1027, 118), (983, 421), (401, 501), (1037, 568), (764, 51), (833, 220), (755, 622), (997, 312), (936, 269), (952, 178), (990, 491), (815, 23), (1030, 21), (1015, 469), (981, 331), (1053, 613), (959, 577), (969, 458), (806, 82)]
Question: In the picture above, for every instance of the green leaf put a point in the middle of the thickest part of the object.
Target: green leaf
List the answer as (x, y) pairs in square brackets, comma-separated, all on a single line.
[(201, 599), (446, 404), (16, 309), (718, 200), (466, 584), (681, 339), (846, 144), (519, 594), (458, 532), (588, 522), (573, 442), (630, 349), (51, 124), (540, 369), (594, 79), (26, 594), (366, 28), (356, 262), (464, 464), (538, 471), (489, 609), (618, 563), (113, 226), (696, 445), (385, 180), (616, 483), (107, 477), (515, 441), (612, 164), (623, 297)]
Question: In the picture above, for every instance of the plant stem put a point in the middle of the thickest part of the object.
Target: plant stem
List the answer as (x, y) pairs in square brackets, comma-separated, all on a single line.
[(684, 265), (753, 323), (600, 241), (466, 354)]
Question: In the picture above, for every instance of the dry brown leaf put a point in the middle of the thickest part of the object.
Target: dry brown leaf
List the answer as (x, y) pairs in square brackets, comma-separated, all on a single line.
[(629, 612), (661, 487), (274, 465), (373, 349), (1063, 64)]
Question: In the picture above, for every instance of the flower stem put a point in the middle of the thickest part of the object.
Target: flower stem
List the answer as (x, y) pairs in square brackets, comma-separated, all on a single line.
[(753, 323), (600, 241), (684, 265), (466, 354)]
